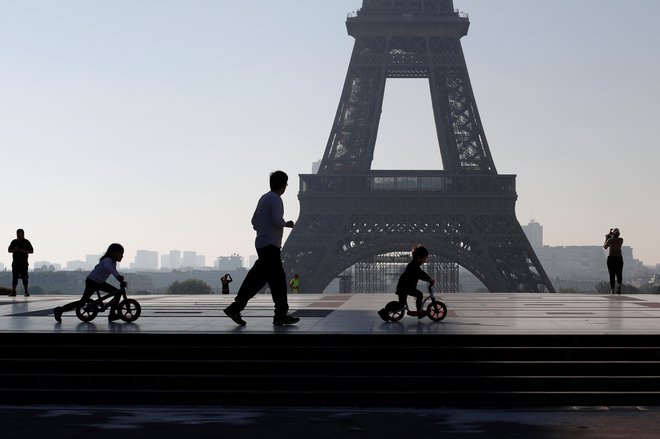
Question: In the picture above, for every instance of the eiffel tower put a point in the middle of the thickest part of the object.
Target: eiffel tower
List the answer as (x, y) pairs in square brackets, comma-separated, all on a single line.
[(464, 214)]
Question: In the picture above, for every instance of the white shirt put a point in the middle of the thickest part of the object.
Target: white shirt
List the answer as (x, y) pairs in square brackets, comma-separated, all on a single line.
[(268, 220)]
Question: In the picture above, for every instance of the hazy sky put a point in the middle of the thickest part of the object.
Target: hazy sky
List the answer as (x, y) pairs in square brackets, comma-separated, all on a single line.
[(155, 123)]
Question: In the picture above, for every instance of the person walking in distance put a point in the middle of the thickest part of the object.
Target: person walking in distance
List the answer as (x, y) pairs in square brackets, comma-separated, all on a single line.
[(614, 242), (20, 248), (268, 221), (225, 280), (295, 284)]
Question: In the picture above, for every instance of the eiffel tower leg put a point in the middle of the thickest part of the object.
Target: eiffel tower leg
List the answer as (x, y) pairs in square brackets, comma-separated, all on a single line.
[(502, 259), (311, 253), (351, 143)]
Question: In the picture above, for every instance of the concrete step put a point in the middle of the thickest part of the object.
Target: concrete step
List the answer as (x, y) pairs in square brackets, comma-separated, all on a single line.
[(313, 369)]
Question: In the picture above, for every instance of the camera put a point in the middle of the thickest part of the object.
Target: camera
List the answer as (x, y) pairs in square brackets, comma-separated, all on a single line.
[(610, 235)]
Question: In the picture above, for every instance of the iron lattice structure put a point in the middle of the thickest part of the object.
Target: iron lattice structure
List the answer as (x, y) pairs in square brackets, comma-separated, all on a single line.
[(464, 214), (381, 273)]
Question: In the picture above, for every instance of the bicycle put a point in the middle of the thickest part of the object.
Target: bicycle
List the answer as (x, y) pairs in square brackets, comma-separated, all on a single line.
[(435, 310), (128, 310)]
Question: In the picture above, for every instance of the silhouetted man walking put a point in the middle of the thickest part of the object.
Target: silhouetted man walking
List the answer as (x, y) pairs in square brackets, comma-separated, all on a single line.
[(268, 221)]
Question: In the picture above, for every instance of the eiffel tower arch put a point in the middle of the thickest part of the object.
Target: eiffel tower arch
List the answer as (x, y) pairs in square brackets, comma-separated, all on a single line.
[(464, 213)]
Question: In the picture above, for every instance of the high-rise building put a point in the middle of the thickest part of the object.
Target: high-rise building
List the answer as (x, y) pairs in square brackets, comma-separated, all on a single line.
[(534, 232), (146, 260), (189, 259), (175, 259), (232, 262), (201, 261), (165, 261)]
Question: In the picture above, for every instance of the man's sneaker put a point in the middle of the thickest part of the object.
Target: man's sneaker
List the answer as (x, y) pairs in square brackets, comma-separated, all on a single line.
[(384, 315), (27, 294), (285, 320), (57, 312), (12, 294), (235, 316)]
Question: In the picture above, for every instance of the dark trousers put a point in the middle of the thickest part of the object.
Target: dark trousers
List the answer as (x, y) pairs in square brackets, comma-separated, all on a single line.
[(19, 271), (615, 267), (90, 288), (267, 270), (418, 295)]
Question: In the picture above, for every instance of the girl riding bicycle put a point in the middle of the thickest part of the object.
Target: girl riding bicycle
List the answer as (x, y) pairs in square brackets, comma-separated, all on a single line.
[(96, 281), (407, 285)]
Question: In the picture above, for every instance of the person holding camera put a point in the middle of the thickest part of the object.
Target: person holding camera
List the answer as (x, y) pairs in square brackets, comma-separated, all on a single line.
[(614, 242)]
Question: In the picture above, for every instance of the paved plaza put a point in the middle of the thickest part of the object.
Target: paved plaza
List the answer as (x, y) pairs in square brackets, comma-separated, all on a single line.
[(342, 314), (242, 423), (356, 314)]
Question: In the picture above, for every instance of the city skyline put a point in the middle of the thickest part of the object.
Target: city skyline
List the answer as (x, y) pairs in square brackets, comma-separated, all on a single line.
[(158, 128), (533, 230), (151, 260)]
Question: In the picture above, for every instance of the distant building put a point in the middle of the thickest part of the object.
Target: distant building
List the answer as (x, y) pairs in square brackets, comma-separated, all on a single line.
[(2, 266), (175, 259), (145, 260), (232, 262), (45, 266), (189, 259), (91, 261), (580, 262), (534, 233), (165, 262), (576, 262), (201, 261), (76, 265)]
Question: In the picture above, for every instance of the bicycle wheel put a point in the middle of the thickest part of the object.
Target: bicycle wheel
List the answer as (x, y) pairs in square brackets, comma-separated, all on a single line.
[(129, 310), (395, 311), (87, 310), (436, 311)]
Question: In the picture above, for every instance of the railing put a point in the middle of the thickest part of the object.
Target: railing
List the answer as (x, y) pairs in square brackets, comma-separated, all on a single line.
[(415, 14), (419, 181)]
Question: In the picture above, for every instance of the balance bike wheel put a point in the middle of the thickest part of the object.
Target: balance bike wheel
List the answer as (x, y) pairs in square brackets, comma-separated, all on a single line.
[(436, 311), (86, 311), (394, 311), (129, 310)]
